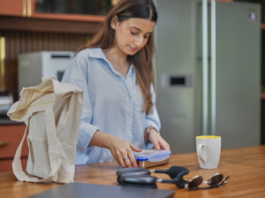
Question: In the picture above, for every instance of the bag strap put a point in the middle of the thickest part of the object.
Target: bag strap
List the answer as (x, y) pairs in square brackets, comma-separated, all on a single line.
[(17, 167), (54, 146), (53, 152)]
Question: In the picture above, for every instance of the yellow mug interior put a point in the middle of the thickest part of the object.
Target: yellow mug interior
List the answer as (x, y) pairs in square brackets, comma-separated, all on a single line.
[(208, 137)]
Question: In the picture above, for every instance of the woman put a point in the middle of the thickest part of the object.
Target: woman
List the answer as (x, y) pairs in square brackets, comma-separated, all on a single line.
[(116, 75)]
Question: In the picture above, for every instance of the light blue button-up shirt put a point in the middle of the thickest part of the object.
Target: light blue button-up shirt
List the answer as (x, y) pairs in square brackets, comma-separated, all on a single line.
[(112, 104)]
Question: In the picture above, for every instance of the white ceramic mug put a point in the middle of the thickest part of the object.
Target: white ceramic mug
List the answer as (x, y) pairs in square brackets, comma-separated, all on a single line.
[(208, 151)]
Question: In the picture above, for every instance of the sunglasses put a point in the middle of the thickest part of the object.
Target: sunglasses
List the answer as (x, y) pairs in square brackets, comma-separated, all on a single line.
[(215, 181), (140, 177)]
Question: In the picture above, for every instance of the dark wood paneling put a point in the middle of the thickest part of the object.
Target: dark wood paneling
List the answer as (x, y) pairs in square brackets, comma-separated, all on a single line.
[(18, 41)]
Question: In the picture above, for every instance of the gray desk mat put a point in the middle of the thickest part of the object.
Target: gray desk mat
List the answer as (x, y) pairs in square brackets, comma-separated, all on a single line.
[(84, 190)]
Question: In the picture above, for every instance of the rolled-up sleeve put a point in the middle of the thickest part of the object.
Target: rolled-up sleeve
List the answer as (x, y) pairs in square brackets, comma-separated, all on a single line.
[(153, 118), (77, 74)]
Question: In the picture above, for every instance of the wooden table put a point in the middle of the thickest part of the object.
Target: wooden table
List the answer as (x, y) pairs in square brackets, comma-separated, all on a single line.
[(246, 167)]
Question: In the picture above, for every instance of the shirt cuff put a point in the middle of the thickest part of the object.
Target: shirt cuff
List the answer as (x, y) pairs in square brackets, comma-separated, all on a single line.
[(86, 133), (150, 123)]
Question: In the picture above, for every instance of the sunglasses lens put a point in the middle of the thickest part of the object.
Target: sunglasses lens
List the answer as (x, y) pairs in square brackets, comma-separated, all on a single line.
[(195, 182), (216, 179)]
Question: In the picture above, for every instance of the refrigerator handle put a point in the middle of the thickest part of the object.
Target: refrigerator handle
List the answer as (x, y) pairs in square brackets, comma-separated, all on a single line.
[(213, 68), (205, 68)]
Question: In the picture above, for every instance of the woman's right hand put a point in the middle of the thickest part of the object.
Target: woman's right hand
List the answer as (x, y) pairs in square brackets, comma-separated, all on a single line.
[(122, 151), (119, 148)]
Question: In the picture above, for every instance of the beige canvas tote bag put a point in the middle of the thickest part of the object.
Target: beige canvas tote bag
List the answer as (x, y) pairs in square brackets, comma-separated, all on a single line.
[(52, 113)]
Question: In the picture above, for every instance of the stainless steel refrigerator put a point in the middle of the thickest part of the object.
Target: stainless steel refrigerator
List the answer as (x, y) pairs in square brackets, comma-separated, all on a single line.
[(179, 79)]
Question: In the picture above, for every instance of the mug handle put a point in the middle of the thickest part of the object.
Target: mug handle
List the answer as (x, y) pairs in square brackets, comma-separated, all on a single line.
[(199, 153)]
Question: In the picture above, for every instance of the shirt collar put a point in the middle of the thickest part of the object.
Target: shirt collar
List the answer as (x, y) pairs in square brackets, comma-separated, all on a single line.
[(96, 53)]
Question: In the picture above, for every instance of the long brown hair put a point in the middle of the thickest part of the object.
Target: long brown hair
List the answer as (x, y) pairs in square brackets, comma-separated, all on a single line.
[(142, 60)]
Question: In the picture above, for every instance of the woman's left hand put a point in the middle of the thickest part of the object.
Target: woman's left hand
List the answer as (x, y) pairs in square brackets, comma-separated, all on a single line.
[(155, 138)]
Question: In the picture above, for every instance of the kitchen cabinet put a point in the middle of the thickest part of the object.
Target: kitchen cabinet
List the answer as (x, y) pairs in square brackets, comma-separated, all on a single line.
[(58, 10), (10, 138), (94, 10), (6, 165), (13, 7), (81, 10)]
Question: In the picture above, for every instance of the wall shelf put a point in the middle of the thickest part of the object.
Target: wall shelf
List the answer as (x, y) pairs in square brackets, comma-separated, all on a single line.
[(49, 25)]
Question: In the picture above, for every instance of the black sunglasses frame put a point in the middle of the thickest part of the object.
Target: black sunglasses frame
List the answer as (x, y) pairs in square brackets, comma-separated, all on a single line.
[(140, 177), (223, 182)]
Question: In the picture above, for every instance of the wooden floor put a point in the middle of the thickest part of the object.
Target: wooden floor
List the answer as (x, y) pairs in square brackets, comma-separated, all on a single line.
[(245, 166)]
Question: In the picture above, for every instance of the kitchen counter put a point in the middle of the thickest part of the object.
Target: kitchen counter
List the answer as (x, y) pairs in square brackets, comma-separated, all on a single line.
[(245, 166)]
